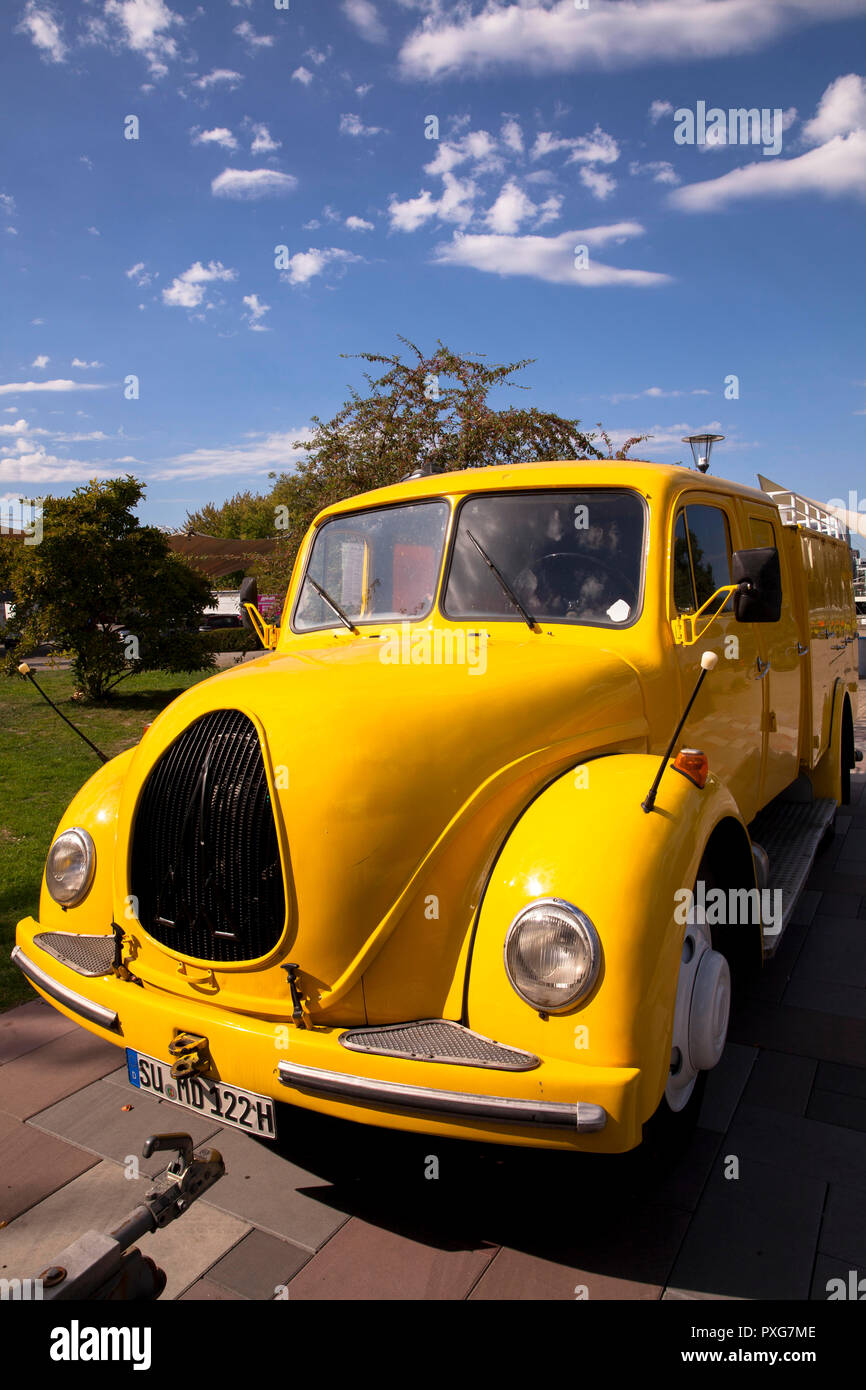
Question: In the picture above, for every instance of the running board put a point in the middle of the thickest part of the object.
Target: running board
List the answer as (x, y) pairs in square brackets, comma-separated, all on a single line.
[(790, 832)]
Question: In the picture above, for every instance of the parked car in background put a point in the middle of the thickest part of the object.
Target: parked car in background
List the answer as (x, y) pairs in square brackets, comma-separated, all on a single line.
[(213, 622)]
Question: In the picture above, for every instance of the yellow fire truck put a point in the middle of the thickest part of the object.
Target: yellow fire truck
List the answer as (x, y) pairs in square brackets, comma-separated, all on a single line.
[(537, 760)]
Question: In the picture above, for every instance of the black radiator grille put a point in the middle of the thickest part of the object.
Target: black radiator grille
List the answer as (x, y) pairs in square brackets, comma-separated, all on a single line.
[(205, 860)]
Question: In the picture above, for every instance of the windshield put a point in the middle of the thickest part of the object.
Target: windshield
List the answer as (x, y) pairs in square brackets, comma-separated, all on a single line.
[(571, 556), (377, 566)]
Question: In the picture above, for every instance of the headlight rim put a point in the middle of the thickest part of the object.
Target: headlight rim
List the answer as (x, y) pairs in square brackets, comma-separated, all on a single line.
[(585, 921), (90, 855)]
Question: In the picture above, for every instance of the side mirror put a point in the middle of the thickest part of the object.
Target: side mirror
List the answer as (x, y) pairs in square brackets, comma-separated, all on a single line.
[(249, 594), (758, 574)]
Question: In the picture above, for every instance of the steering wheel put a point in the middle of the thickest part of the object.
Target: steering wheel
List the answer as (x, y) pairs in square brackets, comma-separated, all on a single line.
[(585, 562)]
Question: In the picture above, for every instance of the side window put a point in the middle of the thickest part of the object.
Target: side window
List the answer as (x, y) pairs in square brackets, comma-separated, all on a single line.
[(702, 556), (710, 544), (762, 532), (684, 594)]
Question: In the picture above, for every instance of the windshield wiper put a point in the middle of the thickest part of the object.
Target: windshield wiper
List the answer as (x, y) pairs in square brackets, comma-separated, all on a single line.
[(506, 587), (332, 604)]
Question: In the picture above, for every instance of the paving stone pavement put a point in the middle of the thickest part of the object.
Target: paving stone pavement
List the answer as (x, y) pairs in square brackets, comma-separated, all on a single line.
[(341, 1211)]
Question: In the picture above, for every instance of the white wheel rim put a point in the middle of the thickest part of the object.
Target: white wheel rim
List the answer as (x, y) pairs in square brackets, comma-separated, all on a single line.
[(701, 1013)]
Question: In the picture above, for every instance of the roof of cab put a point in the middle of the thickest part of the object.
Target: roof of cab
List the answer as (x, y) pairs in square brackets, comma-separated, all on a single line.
[(645, 476)]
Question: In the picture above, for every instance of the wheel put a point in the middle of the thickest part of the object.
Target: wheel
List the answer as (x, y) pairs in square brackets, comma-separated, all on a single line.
[(701, 1014), (848, 753)]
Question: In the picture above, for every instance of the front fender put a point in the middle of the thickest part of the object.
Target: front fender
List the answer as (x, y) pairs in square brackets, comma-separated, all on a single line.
[(94, 808), (586, 839)]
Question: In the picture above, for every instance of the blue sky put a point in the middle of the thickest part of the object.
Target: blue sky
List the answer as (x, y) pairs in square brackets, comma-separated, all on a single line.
[(262, 127)]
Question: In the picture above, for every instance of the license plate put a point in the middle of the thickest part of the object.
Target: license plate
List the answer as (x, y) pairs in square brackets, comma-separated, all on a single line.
[(231, 1106)]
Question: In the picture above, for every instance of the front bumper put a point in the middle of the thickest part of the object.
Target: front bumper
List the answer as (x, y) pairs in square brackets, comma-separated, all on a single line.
[(310, 1069)]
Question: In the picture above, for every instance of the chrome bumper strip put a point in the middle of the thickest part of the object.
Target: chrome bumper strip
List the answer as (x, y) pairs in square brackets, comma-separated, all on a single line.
[(105, 1018), (580, 1115)]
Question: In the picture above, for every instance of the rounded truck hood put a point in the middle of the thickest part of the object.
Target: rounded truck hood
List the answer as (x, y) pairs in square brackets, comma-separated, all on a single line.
[(395, 785)]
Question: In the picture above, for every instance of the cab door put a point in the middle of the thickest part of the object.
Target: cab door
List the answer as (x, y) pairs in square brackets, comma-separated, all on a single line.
[(785, 658), (726, 720)]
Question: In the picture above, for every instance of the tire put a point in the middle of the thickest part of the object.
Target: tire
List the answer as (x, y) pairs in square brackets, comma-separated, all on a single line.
[(668, 1131), (847, 752)]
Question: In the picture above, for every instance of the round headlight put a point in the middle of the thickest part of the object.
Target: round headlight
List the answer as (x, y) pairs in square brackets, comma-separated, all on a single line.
[(552, 955), (70, 865)]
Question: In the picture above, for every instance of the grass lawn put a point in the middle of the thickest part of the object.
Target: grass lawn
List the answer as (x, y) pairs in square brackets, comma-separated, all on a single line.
[(43, 764)]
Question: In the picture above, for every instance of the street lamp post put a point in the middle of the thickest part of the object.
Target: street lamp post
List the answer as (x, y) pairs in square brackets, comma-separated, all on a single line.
[(702, 445)]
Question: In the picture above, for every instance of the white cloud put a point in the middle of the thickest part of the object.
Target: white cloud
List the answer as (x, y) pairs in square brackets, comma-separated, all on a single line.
[(17, 388), (660, 169), (45, 29), (139, 274), (253, 40), (365, 18), (7, 204), (834, 168), (305, 265), (186, 291), (144, 26), (511, 208), (654, 393), (512, 135), (220, 135), (357, 224), (842, 108), (600, 185), (263, 142), (85, 366), (217, 77), (596, 148), (273, 452), (553, 36), (363, 89), (36, 465), (257, 311), (318, 55), (547, 258), (303, 75), (252, 184), (455, 205), (659, 109), (353, 125), (17, 427), (478, 146), (40, 361)]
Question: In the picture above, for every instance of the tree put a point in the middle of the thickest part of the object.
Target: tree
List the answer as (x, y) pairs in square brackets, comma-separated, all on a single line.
[(430, 412), (246, 516), (96, 571)]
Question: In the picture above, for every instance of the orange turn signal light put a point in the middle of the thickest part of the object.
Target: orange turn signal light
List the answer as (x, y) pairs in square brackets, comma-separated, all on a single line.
[(692, 763)]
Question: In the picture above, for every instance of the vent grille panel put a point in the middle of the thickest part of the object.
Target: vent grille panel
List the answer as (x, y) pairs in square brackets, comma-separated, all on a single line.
[(438, 1040), (89, 955), (205, 858)]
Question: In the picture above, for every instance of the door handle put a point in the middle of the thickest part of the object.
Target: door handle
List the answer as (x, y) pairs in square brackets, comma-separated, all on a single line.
[(763, 668)]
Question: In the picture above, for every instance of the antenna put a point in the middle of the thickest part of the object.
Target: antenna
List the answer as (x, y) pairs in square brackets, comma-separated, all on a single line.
[(25, 671), (709, 662)]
